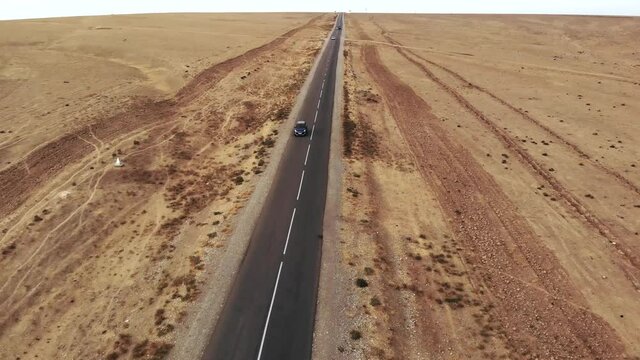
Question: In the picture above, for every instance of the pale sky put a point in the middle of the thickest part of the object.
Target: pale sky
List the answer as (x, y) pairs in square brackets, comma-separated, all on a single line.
[(24, 9)]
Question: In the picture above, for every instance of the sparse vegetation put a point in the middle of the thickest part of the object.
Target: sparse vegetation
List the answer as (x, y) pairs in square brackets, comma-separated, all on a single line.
[(361, 283), (349, 129), (499, 230), (238, 180), (125, 226)]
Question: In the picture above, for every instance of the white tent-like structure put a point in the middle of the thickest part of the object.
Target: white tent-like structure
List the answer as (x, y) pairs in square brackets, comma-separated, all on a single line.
[(118, 163)]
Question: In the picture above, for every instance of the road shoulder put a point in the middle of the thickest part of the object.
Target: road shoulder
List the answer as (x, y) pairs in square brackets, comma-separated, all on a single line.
[(329, 310)]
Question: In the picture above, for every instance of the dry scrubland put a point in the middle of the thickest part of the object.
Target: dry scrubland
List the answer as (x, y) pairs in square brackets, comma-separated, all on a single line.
[(492, 187), (99, 262)]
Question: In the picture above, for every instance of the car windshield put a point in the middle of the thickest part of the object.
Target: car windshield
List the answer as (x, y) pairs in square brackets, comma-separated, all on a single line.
[(300, 125)]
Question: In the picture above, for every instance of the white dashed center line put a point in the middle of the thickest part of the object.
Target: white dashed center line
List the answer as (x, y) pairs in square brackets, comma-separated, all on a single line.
[(300, 186), (286, 243), (307, 156), (293, 215), (266, 325)]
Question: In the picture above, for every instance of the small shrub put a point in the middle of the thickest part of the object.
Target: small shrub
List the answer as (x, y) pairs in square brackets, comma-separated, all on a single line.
[(353, 192), (361, 283), (140, 349), (164, 330), (9, 249), (159, 316), (282, 113), (355, 335), (268, 142), (238, 180), (160, 351), (163, 285), (375, 301), (349, 130)]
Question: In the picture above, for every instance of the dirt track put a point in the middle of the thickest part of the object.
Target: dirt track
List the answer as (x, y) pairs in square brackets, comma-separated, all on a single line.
[(488, 225), (46, 161), (463, 260), (107, 262)]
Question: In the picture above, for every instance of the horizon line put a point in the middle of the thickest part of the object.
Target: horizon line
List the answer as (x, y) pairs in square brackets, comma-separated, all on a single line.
[(323, 12)]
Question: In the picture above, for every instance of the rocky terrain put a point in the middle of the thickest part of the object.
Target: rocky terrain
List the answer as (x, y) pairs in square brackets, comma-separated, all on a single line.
[(106, 262), (491, 188)]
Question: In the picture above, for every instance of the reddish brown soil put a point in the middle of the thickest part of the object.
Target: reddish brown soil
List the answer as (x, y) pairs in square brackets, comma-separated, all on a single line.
[(105, 262), (18, 181), (500, 245), (461, 267)]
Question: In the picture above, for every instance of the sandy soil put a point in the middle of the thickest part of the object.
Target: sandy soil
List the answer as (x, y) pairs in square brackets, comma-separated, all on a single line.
[(104, 262), (492, 187)]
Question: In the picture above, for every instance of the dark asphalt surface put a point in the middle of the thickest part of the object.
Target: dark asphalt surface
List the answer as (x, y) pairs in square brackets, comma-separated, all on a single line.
[(270, 310)]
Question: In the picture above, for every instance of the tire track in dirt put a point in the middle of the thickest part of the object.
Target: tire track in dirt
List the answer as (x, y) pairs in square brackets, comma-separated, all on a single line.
[(630, 263), (28, 213), (16, 184), (496, 238), (601, 76), (623, 180), (402, 281), (400, 337), (209, 77), (45, 240), (69, 262)]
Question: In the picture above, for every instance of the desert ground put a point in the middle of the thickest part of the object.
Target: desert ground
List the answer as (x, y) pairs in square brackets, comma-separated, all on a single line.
[(491, 188), (106, 262)]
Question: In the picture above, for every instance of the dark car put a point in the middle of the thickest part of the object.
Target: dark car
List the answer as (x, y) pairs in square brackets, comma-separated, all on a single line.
[(300, 129)]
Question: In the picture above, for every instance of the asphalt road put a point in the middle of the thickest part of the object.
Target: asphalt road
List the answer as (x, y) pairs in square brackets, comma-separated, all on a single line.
[(270, 309)]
